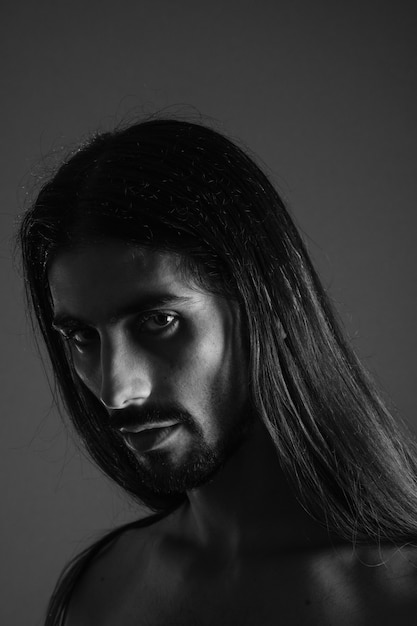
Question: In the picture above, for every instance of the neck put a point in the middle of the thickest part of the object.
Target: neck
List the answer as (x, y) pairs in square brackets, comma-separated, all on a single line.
[(249, 504)]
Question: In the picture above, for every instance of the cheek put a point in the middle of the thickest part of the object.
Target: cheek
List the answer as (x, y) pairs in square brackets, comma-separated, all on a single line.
[(226, 374), (207, 369), (87, 372)]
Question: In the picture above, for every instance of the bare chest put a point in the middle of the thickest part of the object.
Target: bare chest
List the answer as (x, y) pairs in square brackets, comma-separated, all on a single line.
[(299, 592), (174, 600)]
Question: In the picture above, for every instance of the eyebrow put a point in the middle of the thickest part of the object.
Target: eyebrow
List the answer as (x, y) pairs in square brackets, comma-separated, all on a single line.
[(64, 320)]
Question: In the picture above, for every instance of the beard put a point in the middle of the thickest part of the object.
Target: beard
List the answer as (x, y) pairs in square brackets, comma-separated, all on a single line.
[(166, 474)]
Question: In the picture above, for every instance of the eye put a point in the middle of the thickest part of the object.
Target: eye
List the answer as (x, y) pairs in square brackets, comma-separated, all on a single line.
[(158, 323), (81, 338)]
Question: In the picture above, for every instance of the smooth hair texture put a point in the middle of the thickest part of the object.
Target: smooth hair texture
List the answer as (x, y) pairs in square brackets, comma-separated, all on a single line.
[(184, 187)]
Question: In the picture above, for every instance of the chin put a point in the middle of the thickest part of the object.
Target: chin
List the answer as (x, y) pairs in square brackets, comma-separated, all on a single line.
[(167, 478)]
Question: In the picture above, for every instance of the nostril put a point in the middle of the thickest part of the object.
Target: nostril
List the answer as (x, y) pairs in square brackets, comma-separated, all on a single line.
[(124, 371), (119, 397)]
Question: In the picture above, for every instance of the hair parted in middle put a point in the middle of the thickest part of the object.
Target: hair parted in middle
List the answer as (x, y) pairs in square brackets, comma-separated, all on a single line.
[(183, 187)]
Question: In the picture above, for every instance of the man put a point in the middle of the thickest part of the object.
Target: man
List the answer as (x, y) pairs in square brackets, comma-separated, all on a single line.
[(202, 365)]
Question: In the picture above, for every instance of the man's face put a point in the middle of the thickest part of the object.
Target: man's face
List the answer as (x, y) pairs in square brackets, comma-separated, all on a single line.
[(164, 357)]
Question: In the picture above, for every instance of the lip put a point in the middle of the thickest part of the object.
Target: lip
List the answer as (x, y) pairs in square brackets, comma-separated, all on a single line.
[(150, 438), (127, 430)]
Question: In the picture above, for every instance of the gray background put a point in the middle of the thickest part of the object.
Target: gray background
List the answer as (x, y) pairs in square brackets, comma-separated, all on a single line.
[(324, 92)]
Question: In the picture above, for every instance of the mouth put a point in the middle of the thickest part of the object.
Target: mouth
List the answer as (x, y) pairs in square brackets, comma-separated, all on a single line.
[(149, 437), (140, 428)]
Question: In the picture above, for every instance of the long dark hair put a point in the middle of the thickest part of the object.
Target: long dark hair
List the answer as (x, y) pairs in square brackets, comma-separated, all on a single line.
[(184, 187)]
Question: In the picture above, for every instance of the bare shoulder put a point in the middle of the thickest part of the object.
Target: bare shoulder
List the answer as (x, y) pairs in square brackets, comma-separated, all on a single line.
[(386, 584), (360, 586), (346, 586), (111, 573)]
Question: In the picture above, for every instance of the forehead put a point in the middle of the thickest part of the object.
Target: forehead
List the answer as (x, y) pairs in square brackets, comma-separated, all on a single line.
[(114, 259), (111, 273)]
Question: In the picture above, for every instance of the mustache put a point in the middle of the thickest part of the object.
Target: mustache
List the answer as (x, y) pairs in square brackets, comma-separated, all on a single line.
[(134, 416)]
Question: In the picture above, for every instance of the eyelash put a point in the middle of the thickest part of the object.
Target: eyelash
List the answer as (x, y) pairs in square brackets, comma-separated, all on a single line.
[(148, 316), (69, 334)]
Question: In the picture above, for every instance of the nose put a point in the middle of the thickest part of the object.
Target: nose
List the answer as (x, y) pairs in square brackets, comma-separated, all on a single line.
[(125, 374)]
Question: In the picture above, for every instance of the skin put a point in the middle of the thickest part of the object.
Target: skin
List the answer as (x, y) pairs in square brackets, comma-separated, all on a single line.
[(182, 359), (241, 550)]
